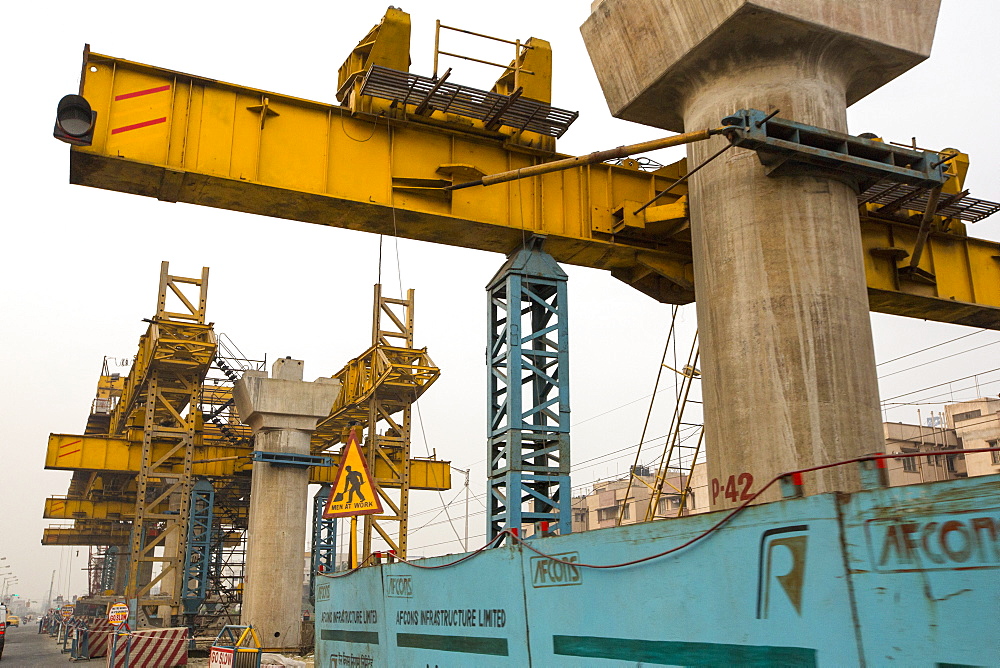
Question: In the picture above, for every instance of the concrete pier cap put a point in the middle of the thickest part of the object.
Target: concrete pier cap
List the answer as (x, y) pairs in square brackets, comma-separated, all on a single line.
[(651, 55), (284, 400), (788, 365)]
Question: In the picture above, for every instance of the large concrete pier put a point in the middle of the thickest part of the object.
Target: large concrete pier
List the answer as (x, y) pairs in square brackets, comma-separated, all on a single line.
[(787, 359), (282, 411)]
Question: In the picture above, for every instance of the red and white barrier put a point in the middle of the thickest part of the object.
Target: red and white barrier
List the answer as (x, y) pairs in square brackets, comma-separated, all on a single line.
[(99, 638), (151, 648)]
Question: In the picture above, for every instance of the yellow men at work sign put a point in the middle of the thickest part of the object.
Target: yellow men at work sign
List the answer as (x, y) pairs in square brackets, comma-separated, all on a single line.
[(353, 492)]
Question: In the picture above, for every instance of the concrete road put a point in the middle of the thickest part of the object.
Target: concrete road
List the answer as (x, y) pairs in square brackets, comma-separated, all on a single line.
[(25, 648)]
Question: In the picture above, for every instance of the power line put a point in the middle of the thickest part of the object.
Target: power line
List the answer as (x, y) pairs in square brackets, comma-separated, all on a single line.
[(936, 345), (978, 386), (625, 405), (918, 366), (949, 382)]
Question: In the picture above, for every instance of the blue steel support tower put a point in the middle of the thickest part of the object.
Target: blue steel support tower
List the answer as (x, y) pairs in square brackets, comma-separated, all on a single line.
[(109, 569), (324, 541), (197, 556), (528, 411)]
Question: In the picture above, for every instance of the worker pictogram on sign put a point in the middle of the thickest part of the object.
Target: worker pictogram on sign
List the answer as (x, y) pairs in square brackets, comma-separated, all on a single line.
[(353, 491)]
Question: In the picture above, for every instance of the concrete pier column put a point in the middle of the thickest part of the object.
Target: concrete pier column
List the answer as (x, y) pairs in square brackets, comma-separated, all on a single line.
[(282, 411), (788, 368)]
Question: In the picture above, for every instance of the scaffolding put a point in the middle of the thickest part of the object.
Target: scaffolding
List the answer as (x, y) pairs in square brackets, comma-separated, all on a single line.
[(162, 396), (378, 390), (679, 457)]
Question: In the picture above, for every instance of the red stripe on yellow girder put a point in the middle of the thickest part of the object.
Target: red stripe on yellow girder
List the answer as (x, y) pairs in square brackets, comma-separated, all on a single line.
[(66, 454), (125, 96), (66, 445), (136, 126)]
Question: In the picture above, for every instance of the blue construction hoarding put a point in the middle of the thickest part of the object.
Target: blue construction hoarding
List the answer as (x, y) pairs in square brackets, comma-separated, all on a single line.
[(904, 575)]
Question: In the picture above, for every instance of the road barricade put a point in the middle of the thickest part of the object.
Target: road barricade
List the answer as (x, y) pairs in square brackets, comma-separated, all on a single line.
[(149, 648), (92, 639), (236, 647)]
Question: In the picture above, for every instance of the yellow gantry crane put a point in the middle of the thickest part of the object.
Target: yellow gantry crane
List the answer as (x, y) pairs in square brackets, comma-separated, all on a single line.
[(399, 140), (152, 434), (146, 439)]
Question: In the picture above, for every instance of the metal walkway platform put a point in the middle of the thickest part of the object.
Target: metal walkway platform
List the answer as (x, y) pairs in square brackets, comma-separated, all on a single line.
[(893, 196), (492, 109)]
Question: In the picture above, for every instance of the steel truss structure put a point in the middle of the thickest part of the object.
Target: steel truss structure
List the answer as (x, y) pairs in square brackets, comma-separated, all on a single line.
[(378, 390), (101, 564), (160, 491), (162, 396), (528, 381)]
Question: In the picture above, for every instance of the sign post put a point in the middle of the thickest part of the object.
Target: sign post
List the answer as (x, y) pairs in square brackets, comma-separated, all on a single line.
[(353, 491), (232, 647), (118, 615)]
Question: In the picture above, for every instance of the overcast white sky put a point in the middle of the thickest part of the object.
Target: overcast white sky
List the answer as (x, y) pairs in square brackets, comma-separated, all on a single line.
[(80, 266)]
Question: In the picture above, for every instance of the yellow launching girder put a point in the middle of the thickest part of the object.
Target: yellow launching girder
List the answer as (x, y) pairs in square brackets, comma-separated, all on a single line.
[(187, 139), (103, 453), (104, 533), (90, 535), (183, 138), (63, 508), (68, 508), (115, 455)]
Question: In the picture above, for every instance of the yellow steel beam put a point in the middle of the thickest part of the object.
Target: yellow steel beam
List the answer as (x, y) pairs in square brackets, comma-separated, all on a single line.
[(182, 138), (964, 275), (87, 536), (188, 139), (62, 508), (429, 474), (102, 534), (99, 453)]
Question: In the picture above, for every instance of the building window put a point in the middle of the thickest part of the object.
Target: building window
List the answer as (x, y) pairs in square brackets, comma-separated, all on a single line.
[(611, 513), (909, 463), (968, 415), (995, 455), (662, 506)]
